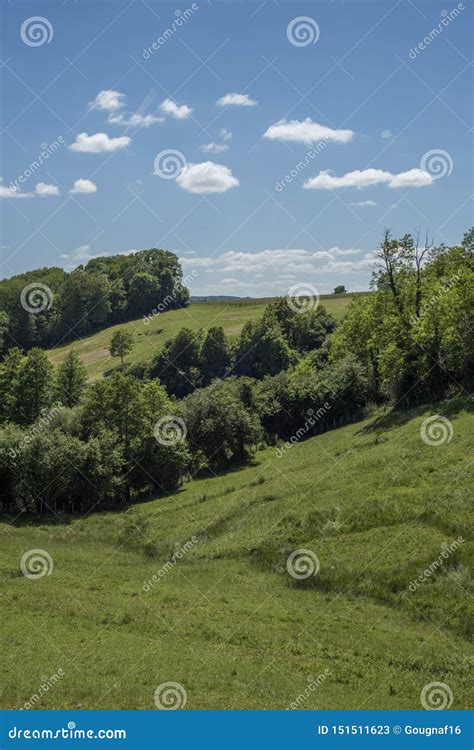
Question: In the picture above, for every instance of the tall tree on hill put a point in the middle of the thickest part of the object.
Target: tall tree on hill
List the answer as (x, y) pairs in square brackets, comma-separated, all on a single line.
[(214, 359), (71, 379), (35, 385)]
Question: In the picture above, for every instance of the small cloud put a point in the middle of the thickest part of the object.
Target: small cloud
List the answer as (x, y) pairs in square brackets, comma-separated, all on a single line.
[(43, 189), (218, 148), (238, 100), (306, 131), (364, 203), (108, 100), (386, 134), (207, 177), (134, 120), (83, 186), (12, 192), (98, 143), (326, 180), (178, 111)]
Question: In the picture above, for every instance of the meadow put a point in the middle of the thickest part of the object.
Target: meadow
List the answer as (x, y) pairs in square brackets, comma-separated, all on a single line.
[(149, 337), (119, 615)]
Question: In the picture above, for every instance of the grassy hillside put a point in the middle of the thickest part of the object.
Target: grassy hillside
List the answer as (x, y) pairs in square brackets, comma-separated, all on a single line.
[(372, 500), (94, 350)]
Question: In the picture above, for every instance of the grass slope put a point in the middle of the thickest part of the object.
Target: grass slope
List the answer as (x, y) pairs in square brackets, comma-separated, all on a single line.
[(94, 350), (372, 500)]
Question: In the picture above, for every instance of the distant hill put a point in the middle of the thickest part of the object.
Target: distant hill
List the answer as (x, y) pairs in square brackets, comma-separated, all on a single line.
[(218, 298)]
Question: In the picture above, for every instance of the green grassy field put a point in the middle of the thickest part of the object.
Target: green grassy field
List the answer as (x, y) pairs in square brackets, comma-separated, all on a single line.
[(94, 350), (371, 500)]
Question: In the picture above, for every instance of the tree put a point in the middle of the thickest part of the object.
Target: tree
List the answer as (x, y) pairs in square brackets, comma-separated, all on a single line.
[(121, 343), (214, 359), (219, 427), (143, 294), (177, 364), (263, 350), (35, 385), (340, 289), (71, 379), (83, 303)]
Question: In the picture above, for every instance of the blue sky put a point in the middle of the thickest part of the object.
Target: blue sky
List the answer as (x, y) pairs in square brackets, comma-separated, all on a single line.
[(298, 131)]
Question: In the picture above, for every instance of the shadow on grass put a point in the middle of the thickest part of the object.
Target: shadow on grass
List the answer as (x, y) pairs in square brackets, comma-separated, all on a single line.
[(397, 418)]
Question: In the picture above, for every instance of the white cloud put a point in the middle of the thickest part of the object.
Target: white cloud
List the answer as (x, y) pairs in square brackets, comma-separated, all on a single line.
[(271, 272), (98, 143), (364, 203), (239, 100), (412, 178), (109, 100), (8, 192), (326, 180), (179, 112), (43, 189), (306, 131), (218, 148), (84, 186), (207, 177), (386, 134), (134, 120)]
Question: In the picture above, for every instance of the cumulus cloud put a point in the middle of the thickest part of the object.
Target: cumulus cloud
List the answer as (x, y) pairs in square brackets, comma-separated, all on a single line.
[(43, 189), (285, 262), (12, 192), (207, 177), (178, 111), (108, 100), (326, 180), (364, 203), (272, 271), (135, 119), (98, 143), (218, 148), (84, 186), (238, 100), (306, 131), (412, 178), (386, 134)]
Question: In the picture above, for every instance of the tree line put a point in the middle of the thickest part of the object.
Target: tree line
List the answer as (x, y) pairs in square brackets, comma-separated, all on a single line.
[(48, 306), (205, 401)]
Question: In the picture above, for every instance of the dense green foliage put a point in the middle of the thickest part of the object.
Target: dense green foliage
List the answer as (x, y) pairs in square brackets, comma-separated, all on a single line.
[(413, 335), (61, 306), (288, 376)]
